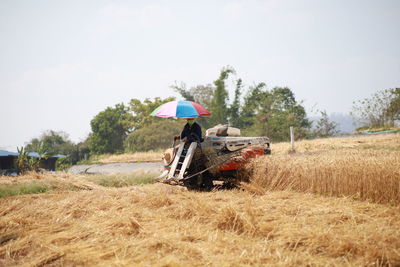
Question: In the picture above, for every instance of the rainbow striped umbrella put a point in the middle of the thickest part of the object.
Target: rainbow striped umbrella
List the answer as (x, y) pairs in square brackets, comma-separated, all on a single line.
[(180, 109)]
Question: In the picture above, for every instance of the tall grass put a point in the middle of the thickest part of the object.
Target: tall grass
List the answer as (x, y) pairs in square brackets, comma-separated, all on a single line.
[(22, 189), (390, 142), (363, 174)]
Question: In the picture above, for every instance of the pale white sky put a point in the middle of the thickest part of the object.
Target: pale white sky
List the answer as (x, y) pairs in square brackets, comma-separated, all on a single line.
[(62, 62)]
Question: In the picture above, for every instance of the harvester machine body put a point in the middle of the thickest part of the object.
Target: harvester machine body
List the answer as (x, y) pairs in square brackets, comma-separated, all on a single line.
[(217, 158), (240, 149)]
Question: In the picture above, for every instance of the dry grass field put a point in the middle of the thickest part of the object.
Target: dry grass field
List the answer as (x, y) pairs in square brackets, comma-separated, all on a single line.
[(389, 142), (300, 209), (366, 168), (160, 225)]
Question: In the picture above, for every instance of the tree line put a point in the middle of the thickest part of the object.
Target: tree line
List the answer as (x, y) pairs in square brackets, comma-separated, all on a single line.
[(256, 109)]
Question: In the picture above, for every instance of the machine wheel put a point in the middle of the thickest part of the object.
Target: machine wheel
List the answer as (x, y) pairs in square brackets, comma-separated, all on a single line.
[(228, 186), (201, 182), (191, 184)]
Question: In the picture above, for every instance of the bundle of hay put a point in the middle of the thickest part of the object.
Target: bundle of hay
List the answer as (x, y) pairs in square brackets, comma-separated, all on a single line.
[(223, 130)]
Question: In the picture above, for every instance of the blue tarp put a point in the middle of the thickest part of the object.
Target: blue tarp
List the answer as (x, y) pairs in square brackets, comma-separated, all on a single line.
[(5, 153), (36, 155), (33, 154), (59, 156)]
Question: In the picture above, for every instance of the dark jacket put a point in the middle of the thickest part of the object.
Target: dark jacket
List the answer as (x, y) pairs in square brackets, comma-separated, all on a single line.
[(193, 133)]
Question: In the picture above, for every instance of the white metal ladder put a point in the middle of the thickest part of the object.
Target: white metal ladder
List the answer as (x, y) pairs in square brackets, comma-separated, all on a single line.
[(182, 160)]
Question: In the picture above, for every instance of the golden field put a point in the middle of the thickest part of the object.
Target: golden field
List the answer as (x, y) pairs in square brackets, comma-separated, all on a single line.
[(332, 203), (366, 168), (160, 225), (388, 142)]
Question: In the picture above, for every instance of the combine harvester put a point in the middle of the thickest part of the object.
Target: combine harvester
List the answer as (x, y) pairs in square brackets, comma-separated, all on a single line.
[(215, 161)]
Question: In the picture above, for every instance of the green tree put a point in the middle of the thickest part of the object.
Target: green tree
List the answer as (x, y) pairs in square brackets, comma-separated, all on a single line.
[(141, 111), (249, 108), (325, 127), (81, 152), (25, 162), (234, 109), (219, 103), (149, 132), (187, 94), (109, 130), (263, 112), (272, 112), (201, 94), (156, 135), (52, 142), (394, 106), (379, 110)]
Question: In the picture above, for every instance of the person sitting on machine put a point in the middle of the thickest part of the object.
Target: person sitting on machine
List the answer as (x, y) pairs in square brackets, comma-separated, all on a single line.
[(191, 132)]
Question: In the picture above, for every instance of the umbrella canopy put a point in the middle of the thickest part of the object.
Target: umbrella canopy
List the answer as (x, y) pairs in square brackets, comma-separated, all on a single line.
[(180, 109)]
